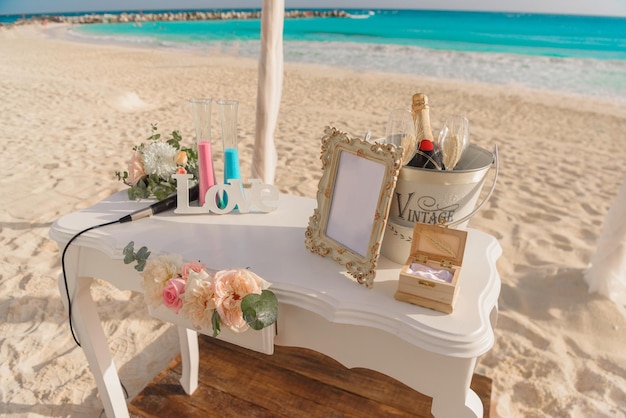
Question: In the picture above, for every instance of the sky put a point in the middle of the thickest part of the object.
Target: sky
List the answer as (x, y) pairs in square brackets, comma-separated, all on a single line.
[(584, 7)]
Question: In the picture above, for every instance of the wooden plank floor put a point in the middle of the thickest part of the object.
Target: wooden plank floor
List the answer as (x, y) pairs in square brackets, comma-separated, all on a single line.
[(294, 382)]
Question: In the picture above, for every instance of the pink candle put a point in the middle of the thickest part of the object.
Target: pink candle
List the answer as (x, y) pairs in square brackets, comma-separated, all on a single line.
[(205, 168)]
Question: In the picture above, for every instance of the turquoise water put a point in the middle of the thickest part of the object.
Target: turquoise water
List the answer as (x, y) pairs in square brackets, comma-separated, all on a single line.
[(571, 54)]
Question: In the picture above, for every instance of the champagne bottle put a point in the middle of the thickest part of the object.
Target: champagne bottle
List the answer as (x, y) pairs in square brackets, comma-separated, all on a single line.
[(426, 156), (421, 116)]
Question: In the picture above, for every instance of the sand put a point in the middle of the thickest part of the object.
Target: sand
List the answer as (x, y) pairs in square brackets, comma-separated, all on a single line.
[(71, 113)]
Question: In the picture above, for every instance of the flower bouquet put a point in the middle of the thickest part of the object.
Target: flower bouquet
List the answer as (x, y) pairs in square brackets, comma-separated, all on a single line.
[(236, 298), (151, 166)]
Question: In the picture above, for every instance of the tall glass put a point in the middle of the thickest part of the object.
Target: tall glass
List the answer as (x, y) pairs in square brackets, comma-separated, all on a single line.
[(201, 113), (401, 132), (453, 140), (227, 110)]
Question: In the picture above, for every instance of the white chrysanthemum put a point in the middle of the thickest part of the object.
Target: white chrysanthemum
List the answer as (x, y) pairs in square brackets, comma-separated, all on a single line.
[(158, 158)]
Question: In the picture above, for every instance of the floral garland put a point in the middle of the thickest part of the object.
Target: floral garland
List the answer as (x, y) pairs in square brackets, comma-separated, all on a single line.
[(150, 168), (237, 299)]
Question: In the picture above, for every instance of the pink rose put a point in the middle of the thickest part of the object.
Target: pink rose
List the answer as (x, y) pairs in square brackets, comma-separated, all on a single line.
[(231, 286), (135, 169), (193, 266), (181, 170), (172, 294)]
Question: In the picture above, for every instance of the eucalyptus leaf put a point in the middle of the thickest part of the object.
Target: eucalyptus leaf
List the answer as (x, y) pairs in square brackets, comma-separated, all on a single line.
[(129, 249), (215, 322), (129, 253), (141, 264), (129, 258), (260, 311), (143, 253)]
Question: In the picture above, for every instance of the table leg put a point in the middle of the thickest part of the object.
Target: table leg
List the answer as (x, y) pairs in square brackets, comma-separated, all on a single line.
[(452, 396), (189, 354), (444, 378), (90, 334)]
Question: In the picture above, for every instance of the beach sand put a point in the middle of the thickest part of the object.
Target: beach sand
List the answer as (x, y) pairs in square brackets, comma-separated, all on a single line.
[(71, 112)]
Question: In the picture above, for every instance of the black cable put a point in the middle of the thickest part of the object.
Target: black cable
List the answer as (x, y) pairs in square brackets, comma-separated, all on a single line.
[(67, 290), (102, 413), (158, 207)]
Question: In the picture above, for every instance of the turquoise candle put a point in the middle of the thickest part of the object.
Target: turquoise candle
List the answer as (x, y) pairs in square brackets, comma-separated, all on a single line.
[(231, 170), (231, 165)]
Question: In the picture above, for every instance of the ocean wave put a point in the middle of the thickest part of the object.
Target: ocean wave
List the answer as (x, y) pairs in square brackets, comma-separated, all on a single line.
[(361, 15), (591, 77), (584, 76), (112, 38)]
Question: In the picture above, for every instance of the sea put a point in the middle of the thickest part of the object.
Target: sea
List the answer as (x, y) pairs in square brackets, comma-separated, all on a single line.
[(581, 55)]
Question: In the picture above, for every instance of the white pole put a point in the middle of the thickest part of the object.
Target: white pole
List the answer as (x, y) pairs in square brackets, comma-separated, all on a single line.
[(269, 90)]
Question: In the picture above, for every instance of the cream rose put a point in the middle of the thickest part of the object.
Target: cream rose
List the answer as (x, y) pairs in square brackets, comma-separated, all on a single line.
[(156, 274), (181, 158), (199, 300), (230, 287)]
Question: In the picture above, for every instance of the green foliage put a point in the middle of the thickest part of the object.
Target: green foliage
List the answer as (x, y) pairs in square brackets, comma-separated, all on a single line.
[(155, 135), (260, 311), (140, 256), (153, 185), (215, 322)]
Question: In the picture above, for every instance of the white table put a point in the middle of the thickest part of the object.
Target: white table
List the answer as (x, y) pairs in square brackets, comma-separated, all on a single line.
[(320, 308)]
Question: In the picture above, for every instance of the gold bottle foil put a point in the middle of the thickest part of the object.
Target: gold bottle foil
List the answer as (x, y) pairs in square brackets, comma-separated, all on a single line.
[(421, 115)]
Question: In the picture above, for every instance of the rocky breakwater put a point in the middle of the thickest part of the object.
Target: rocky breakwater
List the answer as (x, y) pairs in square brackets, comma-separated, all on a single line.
[(170, 16)]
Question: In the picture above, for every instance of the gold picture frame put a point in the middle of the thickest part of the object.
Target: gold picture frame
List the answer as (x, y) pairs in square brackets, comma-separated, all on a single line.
[(353, 200)]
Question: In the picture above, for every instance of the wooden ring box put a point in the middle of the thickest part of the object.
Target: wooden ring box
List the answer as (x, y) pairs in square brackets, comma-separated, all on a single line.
[(438, 247)]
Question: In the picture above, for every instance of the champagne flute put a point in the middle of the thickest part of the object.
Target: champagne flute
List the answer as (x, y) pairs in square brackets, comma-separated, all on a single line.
[(228, 118), (201, 113), (401, 132), (453, 140)]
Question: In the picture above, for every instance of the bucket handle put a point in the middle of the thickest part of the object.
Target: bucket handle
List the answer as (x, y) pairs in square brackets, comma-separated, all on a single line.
[(493, 186)]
